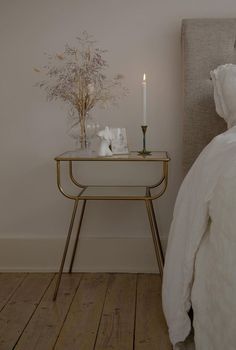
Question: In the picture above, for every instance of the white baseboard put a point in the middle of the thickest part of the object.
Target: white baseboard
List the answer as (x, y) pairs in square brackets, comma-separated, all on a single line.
[(43, 254)]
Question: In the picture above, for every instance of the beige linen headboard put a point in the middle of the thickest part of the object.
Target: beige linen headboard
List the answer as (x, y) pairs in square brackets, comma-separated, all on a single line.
[(206, 43)]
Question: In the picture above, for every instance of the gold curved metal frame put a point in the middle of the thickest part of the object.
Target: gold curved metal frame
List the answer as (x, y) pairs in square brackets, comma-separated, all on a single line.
[(161, 185)]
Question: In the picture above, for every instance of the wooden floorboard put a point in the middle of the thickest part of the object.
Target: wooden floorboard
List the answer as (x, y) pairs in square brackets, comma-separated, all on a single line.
[(16, 314), (9, 282), (150, 330), (116, 330), (81, 325), (47, 321), (93, 311)]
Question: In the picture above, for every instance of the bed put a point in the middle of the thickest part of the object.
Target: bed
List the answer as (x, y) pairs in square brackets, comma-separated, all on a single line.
[(201, 254), (206, 44)]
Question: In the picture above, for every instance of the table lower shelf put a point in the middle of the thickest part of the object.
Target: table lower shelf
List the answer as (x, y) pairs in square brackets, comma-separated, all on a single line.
[(114, 192)]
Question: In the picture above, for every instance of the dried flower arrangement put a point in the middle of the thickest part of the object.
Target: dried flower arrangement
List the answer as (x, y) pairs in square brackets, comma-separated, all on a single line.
[(77, 77)]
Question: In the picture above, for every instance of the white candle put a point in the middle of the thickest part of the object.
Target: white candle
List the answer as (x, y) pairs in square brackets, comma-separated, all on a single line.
[(144, 84)]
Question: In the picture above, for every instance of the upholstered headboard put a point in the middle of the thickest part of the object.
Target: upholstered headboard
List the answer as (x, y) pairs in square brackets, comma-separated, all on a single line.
[(206, 43)]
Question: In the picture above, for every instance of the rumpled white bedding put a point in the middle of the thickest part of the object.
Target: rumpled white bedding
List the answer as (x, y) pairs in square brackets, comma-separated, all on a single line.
[(214, 288), (201, 248), (224, 83)]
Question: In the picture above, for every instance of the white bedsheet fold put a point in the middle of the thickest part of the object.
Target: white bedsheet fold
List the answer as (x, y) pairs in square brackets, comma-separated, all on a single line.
[(190, 222)]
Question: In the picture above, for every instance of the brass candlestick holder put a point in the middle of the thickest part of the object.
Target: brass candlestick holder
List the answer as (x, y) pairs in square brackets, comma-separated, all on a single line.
[(144, 152)]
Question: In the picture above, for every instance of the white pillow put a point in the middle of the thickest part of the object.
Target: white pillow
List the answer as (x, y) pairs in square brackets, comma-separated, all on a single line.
[(224, 82)]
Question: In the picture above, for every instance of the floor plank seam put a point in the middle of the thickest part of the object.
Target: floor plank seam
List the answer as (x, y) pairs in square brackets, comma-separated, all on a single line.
[(67, 313), (101, 311), (46, 289), (12, 294), (100, 319)]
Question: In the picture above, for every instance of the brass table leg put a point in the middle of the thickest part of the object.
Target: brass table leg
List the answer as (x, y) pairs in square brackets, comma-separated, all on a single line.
[(155, 236), (77, 236), (157, 232), (66, 247)]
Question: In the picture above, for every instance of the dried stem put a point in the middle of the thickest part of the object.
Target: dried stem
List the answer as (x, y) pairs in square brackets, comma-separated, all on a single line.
[(77, 77)]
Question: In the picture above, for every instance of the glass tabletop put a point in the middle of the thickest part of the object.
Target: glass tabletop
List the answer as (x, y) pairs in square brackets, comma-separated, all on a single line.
[(111, 191), (131, 156)]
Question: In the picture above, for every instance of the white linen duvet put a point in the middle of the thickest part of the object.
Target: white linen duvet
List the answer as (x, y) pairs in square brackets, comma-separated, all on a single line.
[(200, 265), (214, 288), (201, 249)]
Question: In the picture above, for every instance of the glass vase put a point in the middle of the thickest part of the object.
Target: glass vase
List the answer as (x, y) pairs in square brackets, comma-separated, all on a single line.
[(83, 130)]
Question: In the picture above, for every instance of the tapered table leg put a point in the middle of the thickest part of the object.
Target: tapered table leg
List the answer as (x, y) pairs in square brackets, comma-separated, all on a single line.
[(66, 247), (77, 236), (157, 232), (155, 236)]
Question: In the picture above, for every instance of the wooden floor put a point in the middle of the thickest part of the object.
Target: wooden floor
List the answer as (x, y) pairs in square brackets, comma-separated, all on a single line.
[(92, 312)]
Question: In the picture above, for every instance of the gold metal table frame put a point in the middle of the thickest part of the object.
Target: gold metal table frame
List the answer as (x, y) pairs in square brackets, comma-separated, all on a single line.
[(148, 196)]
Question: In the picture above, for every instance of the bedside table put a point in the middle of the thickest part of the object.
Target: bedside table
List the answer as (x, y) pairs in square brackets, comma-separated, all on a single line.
[(86, 192)]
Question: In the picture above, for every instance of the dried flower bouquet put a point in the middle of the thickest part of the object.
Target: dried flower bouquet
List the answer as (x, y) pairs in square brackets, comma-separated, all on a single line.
[(77, 77)]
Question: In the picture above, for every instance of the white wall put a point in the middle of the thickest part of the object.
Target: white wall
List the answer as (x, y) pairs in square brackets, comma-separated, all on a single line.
[(141, 36)]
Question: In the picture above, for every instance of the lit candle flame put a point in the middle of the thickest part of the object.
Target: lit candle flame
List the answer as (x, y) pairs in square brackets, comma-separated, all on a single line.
[(144, 77)]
